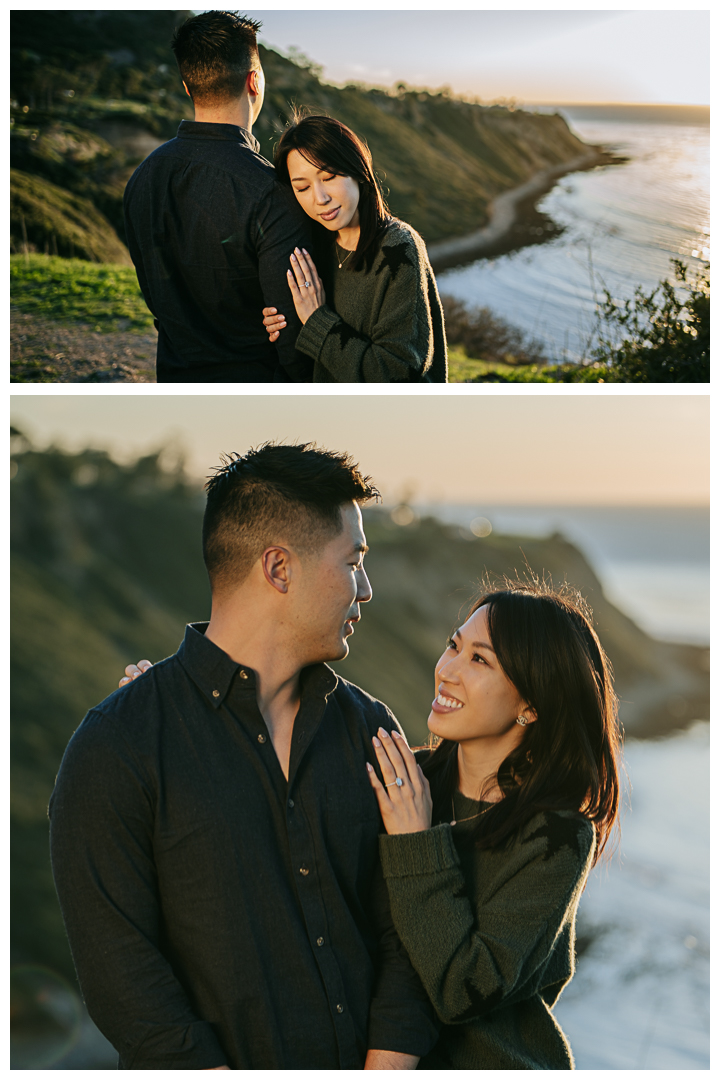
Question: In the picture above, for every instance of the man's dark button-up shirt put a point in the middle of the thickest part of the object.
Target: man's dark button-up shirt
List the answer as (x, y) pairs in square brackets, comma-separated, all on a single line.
[(210, 230), (217, 912)]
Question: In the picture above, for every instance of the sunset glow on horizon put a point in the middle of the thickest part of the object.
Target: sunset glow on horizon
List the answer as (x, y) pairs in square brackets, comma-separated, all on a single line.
[(648, 450), (527, 56)]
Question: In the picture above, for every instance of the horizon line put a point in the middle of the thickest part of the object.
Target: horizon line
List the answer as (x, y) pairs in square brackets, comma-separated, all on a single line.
[(628, 104), (554, 504)]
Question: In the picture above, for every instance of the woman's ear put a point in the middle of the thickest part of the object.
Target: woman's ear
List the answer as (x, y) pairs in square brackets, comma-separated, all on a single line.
[(526, 716)]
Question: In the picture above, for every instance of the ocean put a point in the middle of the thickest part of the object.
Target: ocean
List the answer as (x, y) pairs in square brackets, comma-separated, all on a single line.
[(640, 998), (623, 224), (653, 562)]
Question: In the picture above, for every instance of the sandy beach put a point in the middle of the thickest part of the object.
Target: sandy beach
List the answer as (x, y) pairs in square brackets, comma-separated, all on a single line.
[(506, 213)]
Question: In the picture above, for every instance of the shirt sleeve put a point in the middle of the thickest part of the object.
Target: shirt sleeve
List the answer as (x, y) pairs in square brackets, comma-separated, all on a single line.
[(401, 1017), (134, 248), (280, 227), (101, 843), (474, 954), (400, 346)]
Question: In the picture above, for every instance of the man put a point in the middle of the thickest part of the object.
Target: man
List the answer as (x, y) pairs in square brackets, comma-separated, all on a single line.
[(209, 227), (213, 830)]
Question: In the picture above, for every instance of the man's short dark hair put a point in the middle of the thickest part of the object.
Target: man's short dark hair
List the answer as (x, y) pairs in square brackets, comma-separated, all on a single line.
[(274, 494), (215, 52)]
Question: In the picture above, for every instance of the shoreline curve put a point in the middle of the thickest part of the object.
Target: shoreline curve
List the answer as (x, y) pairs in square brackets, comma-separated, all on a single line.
[(504, 213)]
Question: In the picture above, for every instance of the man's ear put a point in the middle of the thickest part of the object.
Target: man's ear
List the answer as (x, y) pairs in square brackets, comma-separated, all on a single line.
[(276, 565), (253, 82), (186, 90)]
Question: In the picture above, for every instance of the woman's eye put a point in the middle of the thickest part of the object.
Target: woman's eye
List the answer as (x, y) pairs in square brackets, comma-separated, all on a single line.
[(300, 190), (451, 645), (477, 656)]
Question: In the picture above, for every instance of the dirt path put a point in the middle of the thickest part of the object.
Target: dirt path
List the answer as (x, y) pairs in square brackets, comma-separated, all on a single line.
[(514, 220), (45, 351)]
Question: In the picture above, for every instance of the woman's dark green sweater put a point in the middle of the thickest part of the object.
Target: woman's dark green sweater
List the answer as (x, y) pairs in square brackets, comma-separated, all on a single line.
[(492, 934), (383, 325)]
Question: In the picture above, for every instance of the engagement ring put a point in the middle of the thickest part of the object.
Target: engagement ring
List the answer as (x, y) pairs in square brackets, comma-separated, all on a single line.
[(307, 284), (397, 782)]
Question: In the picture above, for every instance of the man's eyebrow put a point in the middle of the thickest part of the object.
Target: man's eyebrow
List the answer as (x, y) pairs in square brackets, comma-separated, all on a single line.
[(476, 644)]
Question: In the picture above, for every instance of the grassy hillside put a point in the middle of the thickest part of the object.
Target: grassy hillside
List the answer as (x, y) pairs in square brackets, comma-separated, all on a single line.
[(106, 569), (46, 216), (93, 92), (85, 587)]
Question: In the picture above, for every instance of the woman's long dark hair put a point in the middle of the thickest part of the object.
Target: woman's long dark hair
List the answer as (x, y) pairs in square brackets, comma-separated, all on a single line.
[(568, 758), (330, 145)]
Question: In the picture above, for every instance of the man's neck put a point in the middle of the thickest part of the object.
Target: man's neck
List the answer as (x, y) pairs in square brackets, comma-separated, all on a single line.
[(237, 112), (276, 666)]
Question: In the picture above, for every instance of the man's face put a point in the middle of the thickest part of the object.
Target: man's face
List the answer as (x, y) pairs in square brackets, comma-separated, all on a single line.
[(334, 584)]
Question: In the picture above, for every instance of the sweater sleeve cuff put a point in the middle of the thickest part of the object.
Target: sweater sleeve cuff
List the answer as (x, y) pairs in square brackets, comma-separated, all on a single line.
[(408, 854), (312, 337)]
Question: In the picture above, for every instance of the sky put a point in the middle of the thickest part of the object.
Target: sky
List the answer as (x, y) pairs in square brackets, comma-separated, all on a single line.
[(530, 56), (484, 448)]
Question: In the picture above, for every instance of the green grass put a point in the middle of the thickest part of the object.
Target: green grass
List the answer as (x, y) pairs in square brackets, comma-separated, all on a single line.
[(107, 298), (100, 294), (463, 369)]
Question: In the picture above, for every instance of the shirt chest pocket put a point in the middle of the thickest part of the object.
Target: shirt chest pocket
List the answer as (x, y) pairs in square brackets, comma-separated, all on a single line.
[(353, 821), (190, 828), (351, 804), (352, 826)]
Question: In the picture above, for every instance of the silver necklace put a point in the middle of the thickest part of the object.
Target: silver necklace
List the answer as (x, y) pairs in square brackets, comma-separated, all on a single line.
[(472, 816), (341, 264)]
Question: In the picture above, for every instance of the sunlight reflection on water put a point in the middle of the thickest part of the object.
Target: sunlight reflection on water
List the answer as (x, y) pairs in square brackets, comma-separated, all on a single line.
[(623, 224)]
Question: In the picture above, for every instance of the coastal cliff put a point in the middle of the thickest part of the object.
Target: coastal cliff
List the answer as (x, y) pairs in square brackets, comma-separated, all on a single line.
[(94, 92)]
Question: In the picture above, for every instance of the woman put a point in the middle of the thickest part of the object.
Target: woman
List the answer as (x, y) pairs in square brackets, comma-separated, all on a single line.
[(489, 844), (375, 316)]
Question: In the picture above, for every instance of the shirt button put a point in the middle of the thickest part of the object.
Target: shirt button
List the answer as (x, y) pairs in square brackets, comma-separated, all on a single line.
[(321, 941), (261, 738), (290, 803), (216, 693), (243, 674), (304, 871), (339, 1008)]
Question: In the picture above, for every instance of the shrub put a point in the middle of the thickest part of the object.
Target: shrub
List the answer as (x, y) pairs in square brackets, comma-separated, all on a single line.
[(484, 336), (663, 336)]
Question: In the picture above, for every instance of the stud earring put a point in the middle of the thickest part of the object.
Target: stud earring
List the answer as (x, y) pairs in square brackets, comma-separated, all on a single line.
[(521, 720)]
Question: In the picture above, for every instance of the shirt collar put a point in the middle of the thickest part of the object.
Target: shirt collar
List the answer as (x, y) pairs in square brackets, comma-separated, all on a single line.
[(214, 672), (191, 129)]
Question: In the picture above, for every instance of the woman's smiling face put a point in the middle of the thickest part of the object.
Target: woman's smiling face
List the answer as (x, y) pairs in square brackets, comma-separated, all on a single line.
[(474, 699), (325, 196)]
